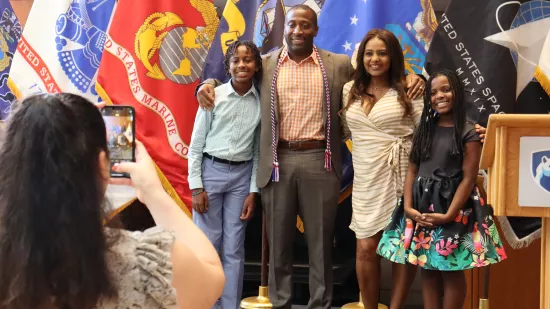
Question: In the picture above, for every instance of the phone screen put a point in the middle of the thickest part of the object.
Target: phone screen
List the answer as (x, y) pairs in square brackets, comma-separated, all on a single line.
[(120, 125)]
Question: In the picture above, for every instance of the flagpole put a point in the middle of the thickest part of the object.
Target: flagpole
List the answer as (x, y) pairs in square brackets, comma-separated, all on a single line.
[(484, 299), (261, 301)]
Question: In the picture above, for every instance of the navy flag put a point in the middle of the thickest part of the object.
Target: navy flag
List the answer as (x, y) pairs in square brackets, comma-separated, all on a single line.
[(10, 32), (480, 40)]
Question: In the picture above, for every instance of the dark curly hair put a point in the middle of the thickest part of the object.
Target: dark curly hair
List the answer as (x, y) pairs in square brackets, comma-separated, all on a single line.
[(422, 140), (52, 241), (232, 49)]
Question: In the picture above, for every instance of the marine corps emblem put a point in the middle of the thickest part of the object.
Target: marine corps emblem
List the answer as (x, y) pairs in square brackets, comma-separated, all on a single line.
[(179, 51)]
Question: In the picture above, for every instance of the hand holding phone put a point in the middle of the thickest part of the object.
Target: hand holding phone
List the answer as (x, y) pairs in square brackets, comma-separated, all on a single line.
[(120, 125), (143, 174)]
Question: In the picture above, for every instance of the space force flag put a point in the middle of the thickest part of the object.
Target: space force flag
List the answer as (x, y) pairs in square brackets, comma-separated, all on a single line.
[(495, 47)]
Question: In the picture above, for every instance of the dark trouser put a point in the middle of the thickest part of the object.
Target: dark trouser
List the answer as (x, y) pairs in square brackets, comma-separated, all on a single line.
[(306, 188)]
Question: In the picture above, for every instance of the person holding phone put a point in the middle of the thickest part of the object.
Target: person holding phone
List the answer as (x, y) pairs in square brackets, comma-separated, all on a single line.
[(55, 251), (223, 159)]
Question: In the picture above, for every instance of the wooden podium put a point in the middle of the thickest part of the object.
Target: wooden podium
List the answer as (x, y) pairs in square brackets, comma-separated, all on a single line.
[(501, 156)]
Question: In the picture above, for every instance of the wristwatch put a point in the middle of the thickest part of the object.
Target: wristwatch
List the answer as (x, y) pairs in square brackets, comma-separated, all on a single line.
[(196, 192)]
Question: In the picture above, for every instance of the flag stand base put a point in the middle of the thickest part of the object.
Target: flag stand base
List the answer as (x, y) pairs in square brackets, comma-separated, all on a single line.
[(359, 305), (261, 301), (483, 303)]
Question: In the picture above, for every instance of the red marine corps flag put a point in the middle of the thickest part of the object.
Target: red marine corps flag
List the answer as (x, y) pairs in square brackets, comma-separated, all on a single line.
[(153, 61)]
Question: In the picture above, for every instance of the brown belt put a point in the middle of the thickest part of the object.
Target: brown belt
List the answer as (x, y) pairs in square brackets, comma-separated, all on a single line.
[(302, 145)]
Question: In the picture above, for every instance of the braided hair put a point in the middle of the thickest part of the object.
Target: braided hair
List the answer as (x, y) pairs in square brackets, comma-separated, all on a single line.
[(422, 141), (232, 50)]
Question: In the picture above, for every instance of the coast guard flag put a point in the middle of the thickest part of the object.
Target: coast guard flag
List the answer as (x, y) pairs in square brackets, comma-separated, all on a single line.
[(480, 41), (342, 27), (61, 46), (10, 32), (261, 21), (153, 61)]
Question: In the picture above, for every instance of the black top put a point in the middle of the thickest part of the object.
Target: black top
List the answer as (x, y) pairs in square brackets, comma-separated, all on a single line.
[(442, 144)]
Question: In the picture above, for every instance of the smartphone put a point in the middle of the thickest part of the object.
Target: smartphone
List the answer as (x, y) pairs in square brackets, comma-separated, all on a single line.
[(121, 141)]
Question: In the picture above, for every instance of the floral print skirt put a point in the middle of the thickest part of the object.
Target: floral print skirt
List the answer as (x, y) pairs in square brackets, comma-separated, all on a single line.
[(471, 240)]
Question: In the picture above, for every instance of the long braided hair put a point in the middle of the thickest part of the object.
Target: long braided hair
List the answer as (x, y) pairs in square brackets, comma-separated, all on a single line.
[(232, 49), (422, 141), (396, 76)]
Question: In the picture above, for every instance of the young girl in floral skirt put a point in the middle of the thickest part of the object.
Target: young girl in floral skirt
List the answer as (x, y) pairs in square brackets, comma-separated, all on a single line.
[(442, 223)]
